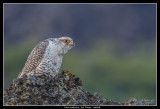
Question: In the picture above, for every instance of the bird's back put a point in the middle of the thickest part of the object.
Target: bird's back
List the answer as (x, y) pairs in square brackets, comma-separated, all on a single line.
[(34, 58)]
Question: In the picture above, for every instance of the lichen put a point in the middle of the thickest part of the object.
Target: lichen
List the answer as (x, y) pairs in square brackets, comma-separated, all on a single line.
[(63, 89)]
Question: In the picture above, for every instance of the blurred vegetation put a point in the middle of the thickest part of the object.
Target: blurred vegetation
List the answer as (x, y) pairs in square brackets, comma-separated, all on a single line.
[(16, 55), (115, 75)]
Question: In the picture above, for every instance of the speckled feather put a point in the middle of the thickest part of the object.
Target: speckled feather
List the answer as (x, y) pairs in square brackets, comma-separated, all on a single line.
[(46, 57), (34, 58)]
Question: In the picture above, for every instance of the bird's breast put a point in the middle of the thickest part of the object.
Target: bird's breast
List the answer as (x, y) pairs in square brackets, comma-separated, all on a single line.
[(52, 59), (52, 62)]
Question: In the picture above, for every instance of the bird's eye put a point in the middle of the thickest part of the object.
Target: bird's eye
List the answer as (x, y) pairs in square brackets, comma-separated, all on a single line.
[(67, 41)]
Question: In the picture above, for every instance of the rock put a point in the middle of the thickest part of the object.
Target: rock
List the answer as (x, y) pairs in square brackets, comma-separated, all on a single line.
[(135, 101), (63, 89)]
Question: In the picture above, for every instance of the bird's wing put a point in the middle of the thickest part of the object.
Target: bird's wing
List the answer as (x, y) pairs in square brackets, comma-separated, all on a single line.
[(35, 57)]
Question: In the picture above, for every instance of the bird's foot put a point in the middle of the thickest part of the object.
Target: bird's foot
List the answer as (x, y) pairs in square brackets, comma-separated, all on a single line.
[(68, 76), (65, 72)]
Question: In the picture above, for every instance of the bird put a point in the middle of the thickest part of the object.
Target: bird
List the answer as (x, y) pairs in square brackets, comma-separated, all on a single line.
[(46, 57)]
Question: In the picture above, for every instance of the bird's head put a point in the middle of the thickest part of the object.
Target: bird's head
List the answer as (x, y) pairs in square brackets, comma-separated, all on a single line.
[(66, 43)]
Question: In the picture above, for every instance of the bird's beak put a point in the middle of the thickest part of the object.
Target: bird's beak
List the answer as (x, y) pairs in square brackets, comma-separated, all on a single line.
[(71, 43)]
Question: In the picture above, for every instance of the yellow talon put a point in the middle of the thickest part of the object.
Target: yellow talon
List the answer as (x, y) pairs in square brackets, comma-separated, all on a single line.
[(67, 73)]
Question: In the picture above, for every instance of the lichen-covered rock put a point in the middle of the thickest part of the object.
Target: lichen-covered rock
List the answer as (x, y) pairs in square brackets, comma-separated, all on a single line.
[(135, 101), (63, 89)]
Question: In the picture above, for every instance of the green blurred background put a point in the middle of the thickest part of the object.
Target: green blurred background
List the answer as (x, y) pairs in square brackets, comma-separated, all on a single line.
[(115, 52)]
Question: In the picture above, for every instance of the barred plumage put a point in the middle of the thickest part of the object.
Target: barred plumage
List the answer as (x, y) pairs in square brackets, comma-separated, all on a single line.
[(47, 57)]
